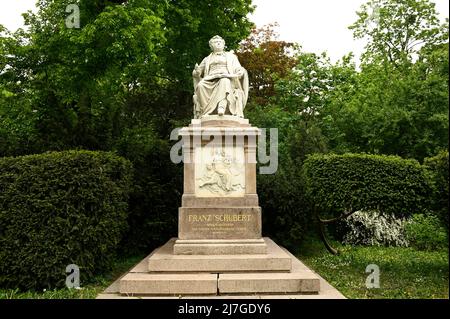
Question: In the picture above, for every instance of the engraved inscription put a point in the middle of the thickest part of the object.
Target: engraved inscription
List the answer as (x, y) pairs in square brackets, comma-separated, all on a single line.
[(217, 224)]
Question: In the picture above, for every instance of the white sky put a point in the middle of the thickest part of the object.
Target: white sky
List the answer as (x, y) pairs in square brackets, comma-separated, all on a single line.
[(317, 25)]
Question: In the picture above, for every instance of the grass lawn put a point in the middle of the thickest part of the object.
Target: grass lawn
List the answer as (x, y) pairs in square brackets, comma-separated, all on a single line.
[(89, 291), (405, 273)]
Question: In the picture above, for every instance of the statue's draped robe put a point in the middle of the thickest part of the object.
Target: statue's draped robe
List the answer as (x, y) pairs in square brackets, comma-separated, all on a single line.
[(209, 92)]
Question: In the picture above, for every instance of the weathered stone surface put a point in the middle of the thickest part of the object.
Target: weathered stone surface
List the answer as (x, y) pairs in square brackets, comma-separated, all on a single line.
[(221, 121), (219, 171), (248, 200), (219, 247), (163, 260), (220, 200), (219, 223), (268, 283), (326, 290), (220, 83), (173, 284), (299, 280)]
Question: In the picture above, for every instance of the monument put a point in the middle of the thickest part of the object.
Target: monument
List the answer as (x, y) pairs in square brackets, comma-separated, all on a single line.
[(219, 249)]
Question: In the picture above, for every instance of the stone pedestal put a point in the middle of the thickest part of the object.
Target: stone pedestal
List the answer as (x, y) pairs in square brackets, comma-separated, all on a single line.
[(220, 249), (220, 213)]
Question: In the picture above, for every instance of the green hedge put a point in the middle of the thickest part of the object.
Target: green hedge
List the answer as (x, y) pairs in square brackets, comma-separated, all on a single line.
[(365, 182), (157, 191), (438, 167), (57, 209)]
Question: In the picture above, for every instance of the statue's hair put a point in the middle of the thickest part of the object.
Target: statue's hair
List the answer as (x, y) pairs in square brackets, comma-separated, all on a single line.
[(216, 37)]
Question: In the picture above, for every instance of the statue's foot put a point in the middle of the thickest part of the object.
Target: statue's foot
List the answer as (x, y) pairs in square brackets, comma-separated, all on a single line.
[(221, 107)]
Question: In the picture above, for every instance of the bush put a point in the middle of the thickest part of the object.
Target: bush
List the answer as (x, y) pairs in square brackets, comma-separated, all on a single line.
[(156, 194), (283, 211), (388, 184), (426, 233), (372, 228), (57, 209), (286, 217), (438, 166)]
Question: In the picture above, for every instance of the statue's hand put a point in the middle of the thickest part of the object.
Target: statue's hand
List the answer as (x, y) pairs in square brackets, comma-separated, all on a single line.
[(231, 76), (196, 73), (240, 73)]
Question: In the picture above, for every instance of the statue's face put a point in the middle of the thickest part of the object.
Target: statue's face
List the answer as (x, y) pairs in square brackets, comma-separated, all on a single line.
[(217, 45)]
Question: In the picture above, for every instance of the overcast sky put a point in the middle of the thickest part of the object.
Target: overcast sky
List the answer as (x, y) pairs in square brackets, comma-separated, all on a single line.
[(317, 25)]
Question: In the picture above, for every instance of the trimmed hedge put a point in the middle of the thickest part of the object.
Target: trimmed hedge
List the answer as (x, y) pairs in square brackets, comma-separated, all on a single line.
[(388, 184), (438, 166), (157, 191), (57, 209)]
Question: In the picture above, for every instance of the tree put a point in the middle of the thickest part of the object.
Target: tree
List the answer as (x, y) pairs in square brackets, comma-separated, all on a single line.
[(396, 29), (398, 103), (119, 82), (266, 60), (392, 110), (129, 59)]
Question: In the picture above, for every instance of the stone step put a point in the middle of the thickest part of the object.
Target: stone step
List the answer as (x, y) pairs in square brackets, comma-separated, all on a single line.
[(164, 260), (301, 282), (220, 247), (214, 284), (260, 283), (168, 284), (301, 279)]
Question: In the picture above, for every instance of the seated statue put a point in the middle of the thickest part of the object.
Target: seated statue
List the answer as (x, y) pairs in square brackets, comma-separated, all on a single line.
[(220, 83)]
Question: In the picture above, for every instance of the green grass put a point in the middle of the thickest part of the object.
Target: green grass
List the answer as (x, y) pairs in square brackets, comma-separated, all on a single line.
[(405, 273), (90, 291)]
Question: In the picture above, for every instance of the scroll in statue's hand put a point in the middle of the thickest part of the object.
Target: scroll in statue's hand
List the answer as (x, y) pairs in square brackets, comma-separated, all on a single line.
[(220, 76)]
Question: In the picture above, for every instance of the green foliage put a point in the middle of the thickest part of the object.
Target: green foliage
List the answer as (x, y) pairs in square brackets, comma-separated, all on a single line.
[(425, 232), (157, 190), (392, 110), (90, 291), (58, 209), (281, 195), (307, 87), (81, 82), (395, 29), (286, 215), (119, 82), (351, 182), (405, 273), (438, 166), (398, 103)]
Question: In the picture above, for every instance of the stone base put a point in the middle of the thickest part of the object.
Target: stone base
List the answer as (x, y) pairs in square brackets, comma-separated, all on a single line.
[(219, 223), (164, 260), (166, 274), (168, 284), (220, 247)]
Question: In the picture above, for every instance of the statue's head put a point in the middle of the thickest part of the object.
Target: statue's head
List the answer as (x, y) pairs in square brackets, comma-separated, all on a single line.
[(217, 43)]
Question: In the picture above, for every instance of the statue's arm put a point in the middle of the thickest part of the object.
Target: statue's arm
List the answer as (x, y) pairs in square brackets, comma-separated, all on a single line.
[(199, 69), (238, 69)]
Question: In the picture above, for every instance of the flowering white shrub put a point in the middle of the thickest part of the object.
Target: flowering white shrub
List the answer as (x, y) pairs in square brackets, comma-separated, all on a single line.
[(372, 228)]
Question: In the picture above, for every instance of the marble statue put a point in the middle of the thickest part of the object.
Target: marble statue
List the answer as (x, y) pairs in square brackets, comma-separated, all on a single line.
[(220, 83)]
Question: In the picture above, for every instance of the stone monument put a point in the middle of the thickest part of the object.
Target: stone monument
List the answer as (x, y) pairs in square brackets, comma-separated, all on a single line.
[(219, 249)]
